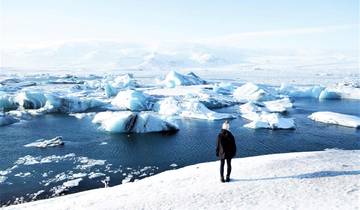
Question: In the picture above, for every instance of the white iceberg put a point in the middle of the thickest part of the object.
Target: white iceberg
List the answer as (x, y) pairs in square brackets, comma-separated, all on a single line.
[(41, 143), (280, 105), (336, 118), (174, 79), (270, 121), (133, 100), (127, 122), (262, 115), (251, 92), (224, 88), (188, 108)]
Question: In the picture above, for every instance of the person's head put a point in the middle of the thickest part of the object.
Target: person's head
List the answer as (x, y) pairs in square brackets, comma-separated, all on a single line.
[(226, 125)]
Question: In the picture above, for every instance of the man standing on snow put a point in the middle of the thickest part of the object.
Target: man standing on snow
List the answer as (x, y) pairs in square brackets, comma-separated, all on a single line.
[(225, 150)]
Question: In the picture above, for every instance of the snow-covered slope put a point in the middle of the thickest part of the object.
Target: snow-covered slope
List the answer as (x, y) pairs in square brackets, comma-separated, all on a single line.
[(308, 180)]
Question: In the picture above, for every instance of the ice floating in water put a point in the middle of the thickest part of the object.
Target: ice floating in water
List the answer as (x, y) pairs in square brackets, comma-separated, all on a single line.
[(7, 102), (298, 92), (23, 175), (31, 100), (133, 100), (271, 121), (251, 92), (281, 105), (336, 118), (70, 104), (41, 143), (94, 175), (188, 108), (329, 94), (126, 122), (224, 88), (261, 116), (3, 179), (7, 119), (174, 79), (113, 85), (82, 115)]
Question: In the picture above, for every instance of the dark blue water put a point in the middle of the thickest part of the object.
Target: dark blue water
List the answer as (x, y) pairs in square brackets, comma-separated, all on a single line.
[(128, 154)]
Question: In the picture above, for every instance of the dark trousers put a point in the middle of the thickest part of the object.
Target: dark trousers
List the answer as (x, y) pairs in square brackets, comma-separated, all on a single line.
[(228, 164)]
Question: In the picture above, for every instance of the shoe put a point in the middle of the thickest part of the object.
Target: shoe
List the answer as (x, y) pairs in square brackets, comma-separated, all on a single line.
[(227, 179), (222, 179)]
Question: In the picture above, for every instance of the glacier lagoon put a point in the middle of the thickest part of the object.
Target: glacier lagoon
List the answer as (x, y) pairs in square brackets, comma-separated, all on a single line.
[(78, 153), (119, 158)]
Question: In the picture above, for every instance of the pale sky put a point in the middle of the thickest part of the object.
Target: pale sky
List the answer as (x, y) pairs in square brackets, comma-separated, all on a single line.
[(318, 24)]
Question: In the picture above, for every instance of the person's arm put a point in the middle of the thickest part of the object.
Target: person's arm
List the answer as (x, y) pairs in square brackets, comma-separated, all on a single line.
[(217, 146)]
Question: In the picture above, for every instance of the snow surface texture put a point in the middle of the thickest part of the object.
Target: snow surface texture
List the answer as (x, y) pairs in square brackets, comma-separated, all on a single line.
[(41, 143), (336, 118), (128, 122), (307, 180)]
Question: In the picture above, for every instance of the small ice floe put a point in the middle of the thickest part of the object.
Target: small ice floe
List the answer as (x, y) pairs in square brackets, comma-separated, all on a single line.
[(82, 115), (33, 196), (31, 160), (103, 143), (174, 79), (94, 175), (86, 163), (173, 165), (127, 122), (336, 118), (41, 143), (252, 92), (3, 179), (23, 175), (188, 108), (65, 186)]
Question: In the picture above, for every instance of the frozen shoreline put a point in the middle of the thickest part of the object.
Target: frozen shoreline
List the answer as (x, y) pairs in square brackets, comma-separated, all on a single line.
[(307, 180)]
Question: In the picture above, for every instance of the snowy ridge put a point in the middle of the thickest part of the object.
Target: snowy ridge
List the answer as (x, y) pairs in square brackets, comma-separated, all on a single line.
[(307, 180)]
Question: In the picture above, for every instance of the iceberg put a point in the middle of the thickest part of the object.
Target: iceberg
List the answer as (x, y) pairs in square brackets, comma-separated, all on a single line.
[(6, 119), (188, 108), (336, 118), (31, 100), (224, 88), (41, 143), (69, 104), (174, 79), (280, 105), (263, 115), (251, 92), (7, 102), (129, 122), (133, 100), (297, 92), (329, 94), (270, 121)]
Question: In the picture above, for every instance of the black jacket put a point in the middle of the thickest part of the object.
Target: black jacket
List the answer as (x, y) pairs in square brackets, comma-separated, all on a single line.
[(225, 147)]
